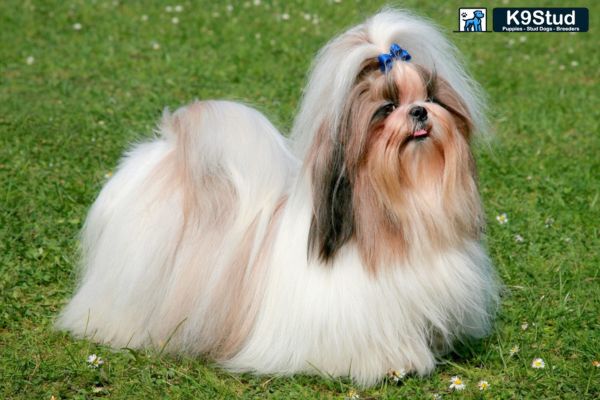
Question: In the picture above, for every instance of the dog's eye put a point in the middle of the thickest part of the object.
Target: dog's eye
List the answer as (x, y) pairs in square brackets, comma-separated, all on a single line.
[(437, 101), (384, 111)]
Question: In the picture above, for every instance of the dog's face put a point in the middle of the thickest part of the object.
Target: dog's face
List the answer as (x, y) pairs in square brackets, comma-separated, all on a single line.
[(398, 173), (478, 14)]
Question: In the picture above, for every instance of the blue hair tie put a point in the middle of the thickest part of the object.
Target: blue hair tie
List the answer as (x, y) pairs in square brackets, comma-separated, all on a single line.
[(386, 61)]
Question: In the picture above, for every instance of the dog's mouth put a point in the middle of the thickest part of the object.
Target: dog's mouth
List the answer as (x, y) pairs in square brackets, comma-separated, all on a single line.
[(420, 134)]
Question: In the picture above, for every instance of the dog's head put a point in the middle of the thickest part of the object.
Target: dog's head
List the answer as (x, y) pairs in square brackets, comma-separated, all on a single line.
[(389, 162), (478, 14)]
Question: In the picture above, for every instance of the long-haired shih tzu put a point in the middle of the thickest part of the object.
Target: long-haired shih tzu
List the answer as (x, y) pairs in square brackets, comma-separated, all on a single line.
[(357, 252)]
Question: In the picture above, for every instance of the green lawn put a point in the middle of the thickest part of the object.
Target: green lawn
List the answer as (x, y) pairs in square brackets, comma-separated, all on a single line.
[(71, 100)]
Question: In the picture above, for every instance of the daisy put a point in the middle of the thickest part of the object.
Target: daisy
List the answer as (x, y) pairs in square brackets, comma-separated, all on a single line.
[(574, 63), (519, 238), (502, 218), (155, 46), (396, 375), (144, 18), (94, 361), (483, 385), (30, 60), (538, 363), (456, 383), (514, 350), (77, 26), (285, 16), (178, 8), (524, 326), (256, 2), (169, 9), (175, 20)]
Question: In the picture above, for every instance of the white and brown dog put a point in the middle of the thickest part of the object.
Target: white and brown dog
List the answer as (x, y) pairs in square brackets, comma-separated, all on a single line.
[(359, 252)]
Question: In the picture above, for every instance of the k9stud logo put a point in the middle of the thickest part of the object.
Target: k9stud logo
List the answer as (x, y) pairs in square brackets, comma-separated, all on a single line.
[(472, 19), (541, 19)]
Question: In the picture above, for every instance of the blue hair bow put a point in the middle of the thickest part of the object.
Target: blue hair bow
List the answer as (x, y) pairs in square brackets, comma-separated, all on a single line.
[(386, 61)]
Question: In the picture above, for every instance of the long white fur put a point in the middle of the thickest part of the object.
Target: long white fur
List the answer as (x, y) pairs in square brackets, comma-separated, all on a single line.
[(148, 277)]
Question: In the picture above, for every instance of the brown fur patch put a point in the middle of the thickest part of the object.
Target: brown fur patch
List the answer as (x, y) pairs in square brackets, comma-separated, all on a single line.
[(404, 193)]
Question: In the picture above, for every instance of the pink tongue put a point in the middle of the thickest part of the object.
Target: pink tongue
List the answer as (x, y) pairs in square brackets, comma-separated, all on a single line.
[(420, 132)]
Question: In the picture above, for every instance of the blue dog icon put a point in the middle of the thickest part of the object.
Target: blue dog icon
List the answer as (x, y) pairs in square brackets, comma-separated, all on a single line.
[(474, 24)]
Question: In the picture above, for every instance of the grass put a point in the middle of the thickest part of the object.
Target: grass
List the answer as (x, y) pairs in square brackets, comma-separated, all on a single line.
[(68, 114)]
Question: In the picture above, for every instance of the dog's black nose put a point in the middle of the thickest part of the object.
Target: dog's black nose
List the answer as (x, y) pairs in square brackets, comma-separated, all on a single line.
[(419, 113)]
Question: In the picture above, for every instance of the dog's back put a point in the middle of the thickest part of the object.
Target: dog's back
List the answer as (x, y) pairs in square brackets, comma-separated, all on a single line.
[(184, 214)]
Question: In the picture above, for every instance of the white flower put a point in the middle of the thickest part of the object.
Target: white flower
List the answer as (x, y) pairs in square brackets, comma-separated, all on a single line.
[(178, 8), (94, 361), (30, 60), (574, 63), (77, 26), (353, 394), (456, 383), (483, 385), (256, 2), (229, 8), (396, 375), (538, 363), (169, 9), (502, 218), (519, 238), (175, 20), (561, 67), (514, 350), (285, 16), (523, 39), (144, 18), (155, 46), (524, 326)]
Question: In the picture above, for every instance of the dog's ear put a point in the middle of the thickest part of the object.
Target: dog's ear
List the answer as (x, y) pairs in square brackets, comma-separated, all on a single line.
[(332, 222)]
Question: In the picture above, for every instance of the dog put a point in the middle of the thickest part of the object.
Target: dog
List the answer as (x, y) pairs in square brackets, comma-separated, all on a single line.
[(474, 24), (350, 249)]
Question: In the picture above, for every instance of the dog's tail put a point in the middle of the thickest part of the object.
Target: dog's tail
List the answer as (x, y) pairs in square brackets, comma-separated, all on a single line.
[(228, 145)]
